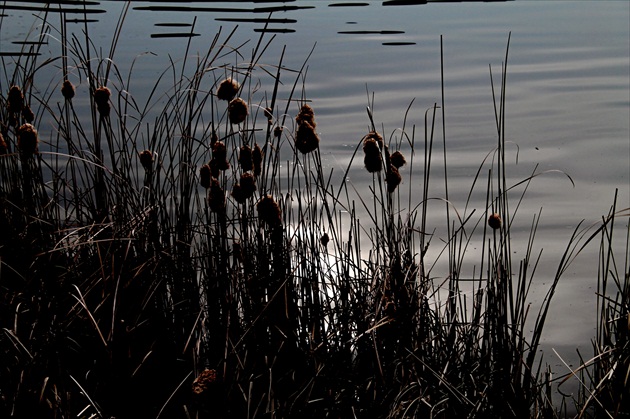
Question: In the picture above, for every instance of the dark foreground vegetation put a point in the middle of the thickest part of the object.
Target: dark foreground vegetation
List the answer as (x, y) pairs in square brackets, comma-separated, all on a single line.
[(189, 258)]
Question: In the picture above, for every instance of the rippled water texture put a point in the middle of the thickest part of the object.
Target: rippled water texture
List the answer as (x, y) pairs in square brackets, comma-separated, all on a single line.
[(568, 98)]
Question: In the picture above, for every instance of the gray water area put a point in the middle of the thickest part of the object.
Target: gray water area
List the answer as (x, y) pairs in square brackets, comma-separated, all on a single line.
[(568, 103)]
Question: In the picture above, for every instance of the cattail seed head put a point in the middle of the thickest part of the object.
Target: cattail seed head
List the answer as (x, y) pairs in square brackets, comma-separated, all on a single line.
[(245, 158), (219, 155), (306, 139), (248, 183), (324, 239), (228, 89), (15, 101), (27, 114), (392, 178), (277, 131), (27, 140), (204, 381), (237, 110), (269, 115), (146, 160), (377, 137), (269, 211), (372, 158), (494, 221), (398, 160), (216, 198), (101, 98), (257, 158), (237, 193), (205, 174), (306, 114), (67, 89)]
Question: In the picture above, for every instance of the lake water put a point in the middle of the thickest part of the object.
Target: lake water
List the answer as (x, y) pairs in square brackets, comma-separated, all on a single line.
[(568, 101)]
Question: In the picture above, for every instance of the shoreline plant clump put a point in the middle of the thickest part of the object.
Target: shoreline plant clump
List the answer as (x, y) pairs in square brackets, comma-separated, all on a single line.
[(162, 260)]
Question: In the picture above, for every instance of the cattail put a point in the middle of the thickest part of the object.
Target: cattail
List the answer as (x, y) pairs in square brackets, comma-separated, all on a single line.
[(4, 147), (27, 114), (494, 221), (101, 98), (392, 178), (216, 198), (269, 211), (398, 160), (219, 154), (306, 114), (213, 138), (203, 381), (245, 158), (205, 174), (15, 101), (277, 132), (245, 189), (67, 90), (372, 158), (306, 139), (237, 110), (27, 140), (228, 89), (376, 136), (248, 183), (146, 160), (324, 239), (237, 193), (257, 158)]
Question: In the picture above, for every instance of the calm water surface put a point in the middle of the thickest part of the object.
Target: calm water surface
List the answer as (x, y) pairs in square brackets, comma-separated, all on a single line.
[(568, 102)]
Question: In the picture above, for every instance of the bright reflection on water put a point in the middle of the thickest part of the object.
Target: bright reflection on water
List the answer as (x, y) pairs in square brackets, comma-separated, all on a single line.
[(567, 103)]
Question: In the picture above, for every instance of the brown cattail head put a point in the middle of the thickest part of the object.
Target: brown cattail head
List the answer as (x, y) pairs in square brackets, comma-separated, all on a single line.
[(67, 90), (306, 114), (248, 183), (398, 160), (15, 101), (377, 137), (372, 158), (219, 155), (324, 239), (494, 221), (306, 139), (393, 178), (27, 140), (257, 158), (101, 98), (245, 158), (205, 174), (245, 189), (216, 198), (237, 110), (277, 131), (27, 114), (228, 89), (237, 193), (269, 211), (204, 381), (4, 147), (213, 138), (146, 160)]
